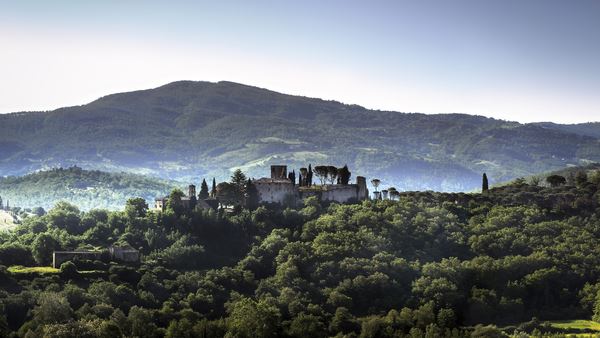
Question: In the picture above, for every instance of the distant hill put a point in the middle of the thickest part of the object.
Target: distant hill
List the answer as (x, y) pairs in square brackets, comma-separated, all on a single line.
[(589, 129), (186, 130), (569, 173), (86, 189)]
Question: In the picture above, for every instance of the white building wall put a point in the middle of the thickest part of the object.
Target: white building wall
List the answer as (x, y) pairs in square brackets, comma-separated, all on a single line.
[(275, 192), (340, 193)]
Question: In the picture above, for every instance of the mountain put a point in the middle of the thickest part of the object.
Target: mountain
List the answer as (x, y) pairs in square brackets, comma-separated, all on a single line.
[(589, 129), (86, 189), (186, 130)]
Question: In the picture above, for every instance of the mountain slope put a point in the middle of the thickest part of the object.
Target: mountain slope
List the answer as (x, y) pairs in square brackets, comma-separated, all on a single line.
[(188, 129), (86, 189), (589, 129)]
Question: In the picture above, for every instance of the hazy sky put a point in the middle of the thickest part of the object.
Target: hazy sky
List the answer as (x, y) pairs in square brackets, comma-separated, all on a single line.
[(524, 60)]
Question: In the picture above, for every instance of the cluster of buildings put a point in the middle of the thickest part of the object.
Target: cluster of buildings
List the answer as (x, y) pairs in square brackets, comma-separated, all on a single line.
[(281, 187)]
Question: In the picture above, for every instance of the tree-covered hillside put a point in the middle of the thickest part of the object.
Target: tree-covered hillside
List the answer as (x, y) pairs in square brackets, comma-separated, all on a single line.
[(187, 128), (590, 129), (424, 265), (569, 173), (87, 189)]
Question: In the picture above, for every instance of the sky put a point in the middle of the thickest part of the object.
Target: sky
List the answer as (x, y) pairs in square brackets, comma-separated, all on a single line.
[(520, 60)]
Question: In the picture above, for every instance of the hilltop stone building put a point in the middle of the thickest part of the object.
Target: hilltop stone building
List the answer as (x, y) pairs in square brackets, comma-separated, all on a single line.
[(279, 188)]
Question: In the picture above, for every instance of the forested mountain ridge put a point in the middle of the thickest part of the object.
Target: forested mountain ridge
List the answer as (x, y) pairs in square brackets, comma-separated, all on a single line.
[(589, 129), (189, 129), (86, 189)]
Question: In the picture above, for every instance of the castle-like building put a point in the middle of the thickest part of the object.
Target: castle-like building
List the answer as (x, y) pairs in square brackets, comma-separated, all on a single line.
[(282, 188)]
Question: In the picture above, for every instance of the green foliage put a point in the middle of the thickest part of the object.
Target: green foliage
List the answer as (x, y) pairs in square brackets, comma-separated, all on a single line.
[(174, 203), (344, 175), (228, 194), (238, 180), (555, 180), (248, 318), (52, 309), (425, 264), (136, 207), (86, 189), (204, 194), (489, 331), (484, 183), (68, 270), (251, 198), (42, 248), (181, 254), (19, 269), (15, 254)]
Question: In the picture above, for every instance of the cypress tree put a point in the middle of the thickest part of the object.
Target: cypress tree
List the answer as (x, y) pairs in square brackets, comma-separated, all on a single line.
[(309, 176), (213, 191), (252, 198), (484, 184), (344, 175), (203, 190), (238, 179)]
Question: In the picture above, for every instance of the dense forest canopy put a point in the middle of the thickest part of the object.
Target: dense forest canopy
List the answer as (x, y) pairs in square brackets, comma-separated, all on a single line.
[(88, 189), (422, 265), (182, 131)]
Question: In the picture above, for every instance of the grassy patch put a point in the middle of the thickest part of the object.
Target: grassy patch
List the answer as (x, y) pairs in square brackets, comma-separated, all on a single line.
[(578, 324), (19, 269), (581, 325)]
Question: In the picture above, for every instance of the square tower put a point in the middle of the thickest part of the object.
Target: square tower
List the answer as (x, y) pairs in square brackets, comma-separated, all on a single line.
[(279, 172)]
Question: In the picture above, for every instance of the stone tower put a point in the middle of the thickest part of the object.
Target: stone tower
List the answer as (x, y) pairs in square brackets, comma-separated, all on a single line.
[(191, 190), (363, 192), (279, 172)]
